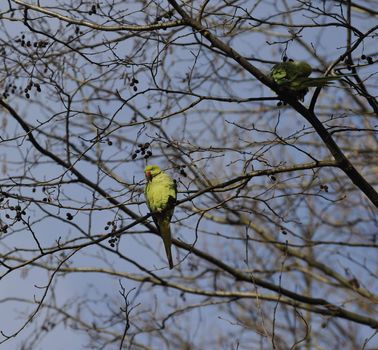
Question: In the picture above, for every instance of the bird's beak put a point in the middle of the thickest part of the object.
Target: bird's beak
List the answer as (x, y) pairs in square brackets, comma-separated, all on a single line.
[(148, 175)]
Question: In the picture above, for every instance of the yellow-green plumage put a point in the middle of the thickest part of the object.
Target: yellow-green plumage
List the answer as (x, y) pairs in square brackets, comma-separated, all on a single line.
[(294, 75), (160, 193)]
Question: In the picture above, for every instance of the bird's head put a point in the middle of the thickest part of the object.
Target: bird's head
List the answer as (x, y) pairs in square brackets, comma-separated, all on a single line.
[(303, 68), (150, 171)]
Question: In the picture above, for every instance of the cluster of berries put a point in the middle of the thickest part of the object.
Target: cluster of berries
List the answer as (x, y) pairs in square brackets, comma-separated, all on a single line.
[(369, 59), (28, 43), (113, 240), (143, 150), (13, 89), (133, 83), (93, 10), (30, 86), (18, 217), (19, 212)]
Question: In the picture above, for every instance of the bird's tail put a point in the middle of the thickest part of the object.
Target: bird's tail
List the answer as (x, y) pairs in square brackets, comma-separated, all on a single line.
[(322, 81), (165, 232)]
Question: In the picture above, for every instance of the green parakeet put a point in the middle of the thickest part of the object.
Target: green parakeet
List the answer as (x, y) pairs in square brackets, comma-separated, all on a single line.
[(294, 75), (160, 193)]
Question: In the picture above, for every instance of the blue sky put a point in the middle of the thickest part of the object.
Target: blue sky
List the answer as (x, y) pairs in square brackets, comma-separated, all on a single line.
[(200, 127)]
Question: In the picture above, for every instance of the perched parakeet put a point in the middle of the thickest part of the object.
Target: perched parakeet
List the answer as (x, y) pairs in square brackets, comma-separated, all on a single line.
[(160, 193), (294, 75)]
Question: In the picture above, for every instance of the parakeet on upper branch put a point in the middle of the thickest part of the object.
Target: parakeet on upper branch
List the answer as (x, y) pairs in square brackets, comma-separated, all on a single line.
[(294, 75), (160, 193)]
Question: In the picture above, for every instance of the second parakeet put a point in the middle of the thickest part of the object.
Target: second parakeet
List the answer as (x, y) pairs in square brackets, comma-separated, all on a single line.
[(294, 75), (160, 193)]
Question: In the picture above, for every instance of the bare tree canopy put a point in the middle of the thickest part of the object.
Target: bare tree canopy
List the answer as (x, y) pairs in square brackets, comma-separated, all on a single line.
[(265, 115)]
